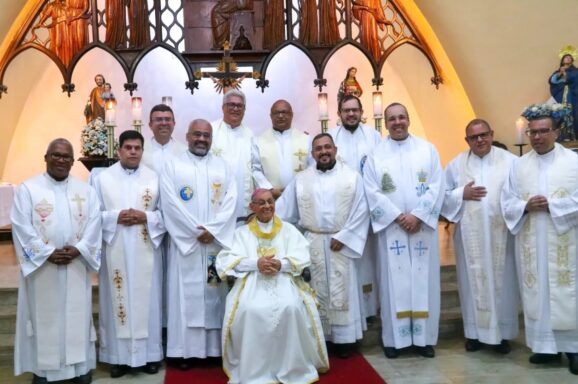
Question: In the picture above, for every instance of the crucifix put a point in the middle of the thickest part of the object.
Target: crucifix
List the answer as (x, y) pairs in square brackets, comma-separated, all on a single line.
[(420, 248), (300, 154), (226, 77)]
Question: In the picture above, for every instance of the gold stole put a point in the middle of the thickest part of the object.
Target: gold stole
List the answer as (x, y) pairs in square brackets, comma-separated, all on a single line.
[(561, 248), (270, 156)]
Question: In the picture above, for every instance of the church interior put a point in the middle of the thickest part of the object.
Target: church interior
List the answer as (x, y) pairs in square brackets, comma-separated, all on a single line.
[(487, 59)]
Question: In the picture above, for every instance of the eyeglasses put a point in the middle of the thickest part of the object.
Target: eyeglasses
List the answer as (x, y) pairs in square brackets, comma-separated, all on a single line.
[(262, 203), (351, 110), (279, 113), (538, 132), (483, 136), (235, 105), (162, 119), (60, 156)]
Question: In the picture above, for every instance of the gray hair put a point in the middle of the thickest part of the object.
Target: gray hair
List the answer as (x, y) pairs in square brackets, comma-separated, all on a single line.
[(231, 93)]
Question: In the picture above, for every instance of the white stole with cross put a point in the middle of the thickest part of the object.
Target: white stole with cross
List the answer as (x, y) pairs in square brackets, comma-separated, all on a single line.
[(46, 279), (273, 158), (131, 313), (561, 181), (485, 260), (330, 282)]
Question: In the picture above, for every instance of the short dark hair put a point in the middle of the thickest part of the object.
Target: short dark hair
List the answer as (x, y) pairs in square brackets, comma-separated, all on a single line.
[(320, 135), (498, 144), (161, 108), (347, 98), (130, 135)]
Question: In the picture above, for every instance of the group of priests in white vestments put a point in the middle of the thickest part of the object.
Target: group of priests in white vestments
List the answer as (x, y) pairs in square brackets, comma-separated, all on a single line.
[(365, 211)]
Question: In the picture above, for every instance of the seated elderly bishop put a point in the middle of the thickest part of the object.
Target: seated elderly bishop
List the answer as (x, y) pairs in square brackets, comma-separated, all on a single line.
[(273, 331)]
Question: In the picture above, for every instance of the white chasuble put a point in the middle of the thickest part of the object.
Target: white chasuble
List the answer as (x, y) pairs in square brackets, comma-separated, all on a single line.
[(196, 192), (483, 244), (272, 329), (235, 146), (155, 155), (546, 236), (406, 177), (130, 250), (54, 334), (282, 155), (331, 205)]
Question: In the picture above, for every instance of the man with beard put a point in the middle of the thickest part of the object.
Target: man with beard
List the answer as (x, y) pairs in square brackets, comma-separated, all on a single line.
[(274, 333), (355, 141), (198, 197), (281, 151), (162, 146), (540, 207), (484, 247), (131, 273), (57, 237), (328, 202), (404, 187)]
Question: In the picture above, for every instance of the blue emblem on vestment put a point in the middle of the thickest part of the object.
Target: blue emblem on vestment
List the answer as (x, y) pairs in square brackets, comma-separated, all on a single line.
[(377, 213), (362, 163), (186, 193)]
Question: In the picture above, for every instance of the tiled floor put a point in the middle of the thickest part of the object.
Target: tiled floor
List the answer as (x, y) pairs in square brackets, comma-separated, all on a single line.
[(452, 365)]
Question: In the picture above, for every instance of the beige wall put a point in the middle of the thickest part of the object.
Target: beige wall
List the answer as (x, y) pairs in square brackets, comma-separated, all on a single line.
[(503, 51)]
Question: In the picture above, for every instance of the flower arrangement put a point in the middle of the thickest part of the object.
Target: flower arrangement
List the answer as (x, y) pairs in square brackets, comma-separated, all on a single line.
[(556, 111), (94, 139)]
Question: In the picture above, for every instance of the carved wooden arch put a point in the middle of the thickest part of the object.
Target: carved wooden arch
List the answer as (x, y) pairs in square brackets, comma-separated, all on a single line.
[(129, 58)]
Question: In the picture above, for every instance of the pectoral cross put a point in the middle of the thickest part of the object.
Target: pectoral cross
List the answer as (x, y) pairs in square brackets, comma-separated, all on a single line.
[(78, 200), (420, 248), (300, 153), (397, 248)]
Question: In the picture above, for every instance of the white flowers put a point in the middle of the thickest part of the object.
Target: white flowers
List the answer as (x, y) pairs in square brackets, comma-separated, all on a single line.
[(93, 139)]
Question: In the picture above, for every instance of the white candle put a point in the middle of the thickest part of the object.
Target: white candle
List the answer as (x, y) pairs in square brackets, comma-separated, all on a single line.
[(520, 130), (377, 105), (322, 102), (136, 109), (167, 100), (109, 113)]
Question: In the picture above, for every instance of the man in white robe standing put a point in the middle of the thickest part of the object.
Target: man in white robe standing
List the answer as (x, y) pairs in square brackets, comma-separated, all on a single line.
[(234, 142), (273, 332), (198, 198), (131, 273), (162, 146), (487, 279), (282, 151), (355, 141), (540, 206), (328, 202), (404, 187), (57, 236)]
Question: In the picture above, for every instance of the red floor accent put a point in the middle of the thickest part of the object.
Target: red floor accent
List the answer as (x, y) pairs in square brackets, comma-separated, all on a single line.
[(355, 370)]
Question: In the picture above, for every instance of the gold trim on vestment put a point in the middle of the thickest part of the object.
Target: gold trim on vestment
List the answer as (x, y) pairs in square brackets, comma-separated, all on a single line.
[(232, 317), (254, 228), (412, 314), (223, 275)]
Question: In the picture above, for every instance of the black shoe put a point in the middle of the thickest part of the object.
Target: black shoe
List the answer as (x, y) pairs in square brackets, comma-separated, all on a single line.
[(504, 347), (427, 351), (119, 370), (391, 352), (151, 368), (39, 380), (573, 363), (185, 364), (343, 351), (473, 345), (544, 358), (83, 379)]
